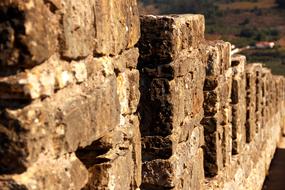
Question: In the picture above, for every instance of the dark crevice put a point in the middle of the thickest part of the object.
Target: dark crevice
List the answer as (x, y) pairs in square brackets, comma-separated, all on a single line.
[(13, 149), (90, 155), (153, 187), (12, 50), (13, 104), (52, 7)]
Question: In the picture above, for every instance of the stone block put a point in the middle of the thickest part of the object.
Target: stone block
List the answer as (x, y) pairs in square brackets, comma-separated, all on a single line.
[(217, 122), (211, 99), (108, 159), (218, 58), (102, 27), (164, 89), (128, 59), (259, 96), (213, 152), (29, 31), (266, 73), (45, 79), (73, 117), (65, 172), (156, 147), (238, 127), (128, 91), (250, 102), (180, 171), (55, 74), (163, 37)]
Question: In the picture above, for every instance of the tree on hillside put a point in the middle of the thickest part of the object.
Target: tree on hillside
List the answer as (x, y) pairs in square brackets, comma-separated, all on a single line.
[(281, 3)]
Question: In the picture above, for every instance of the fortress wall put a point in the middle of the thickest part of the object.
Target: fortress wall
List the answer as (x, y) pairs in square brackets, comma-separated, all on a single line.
[(93, 96), (241, 121)]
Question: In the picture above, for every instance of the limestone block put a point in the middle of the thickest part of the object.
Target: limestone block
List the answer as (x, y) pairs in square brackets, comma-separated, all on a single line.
[(250, 102), (54, 74), (102, 27), (258, 109), (238, 127), (128, 91), (43, 80), (128, 59), (211, 99), (163, 37), (65, 172), (74, 116), (218, 58), (114, 161), (180, 171), (156, 147), (217, 118), (174, 92), (29, 32), (238, 80), (266, 74)]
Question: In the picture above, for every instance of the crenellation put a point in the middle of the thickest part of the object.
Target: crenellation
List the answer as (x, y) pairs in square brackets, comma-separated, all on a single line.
[(217, 112), (171, 104), (238, 103)]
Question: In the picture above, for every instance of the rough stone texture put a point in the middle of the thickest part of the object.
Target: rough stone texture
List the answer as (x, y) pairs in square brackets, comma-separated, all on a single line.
[(27, 40), (217, 112), (69, 121), (78, 112), (169, 35), (250, 102), (164, 89), (65, 172), (100, 27), (36, 29), (238, 103), (172, 68), (56, 124)]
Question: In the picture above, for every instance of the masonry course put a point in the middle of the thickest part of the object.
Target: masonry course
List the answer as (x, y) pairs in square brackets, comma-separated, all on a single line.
[(94, 96)]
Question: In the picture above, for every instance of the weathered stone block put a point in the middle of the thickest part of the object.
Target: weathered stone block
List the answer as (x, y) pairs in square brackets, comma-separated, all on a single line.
[(73, 117), (108, 159), (29, 32), (218, 116), (156, 147), (174, 92), (169, 35), (238, 127), (43, 80), (210, 105), (65, 172), (54, 74), (181, 170), (128, 59), (250, 102), (258, 91), (102, 27), (218, 58), (127, 89)]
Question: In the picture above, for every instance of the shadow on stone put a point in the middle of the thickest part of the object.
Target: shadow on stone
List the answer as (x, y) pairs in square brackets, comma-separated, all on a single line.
[(275, 179)]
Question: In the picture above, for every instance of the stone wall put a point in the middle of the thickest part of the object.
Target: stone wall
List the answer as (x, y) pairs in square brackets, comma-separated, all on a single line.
[(93, 96), (69, 95)]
